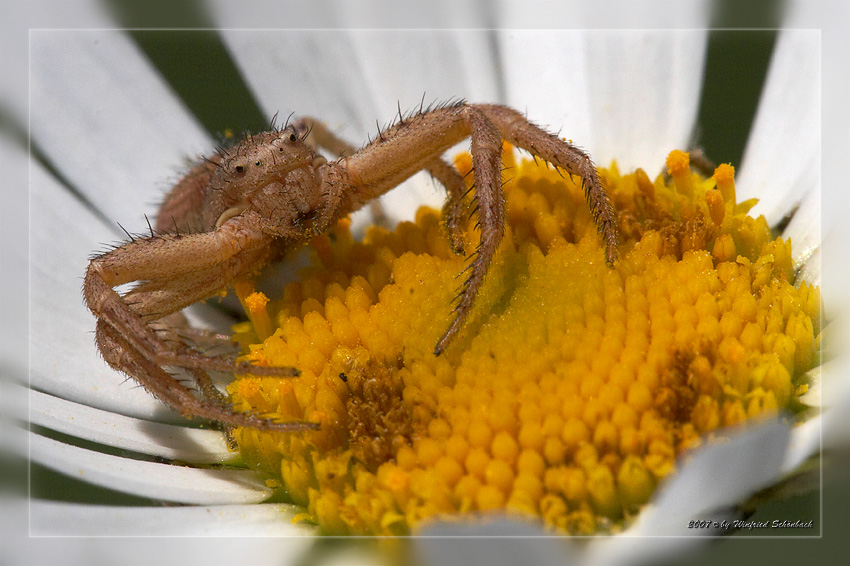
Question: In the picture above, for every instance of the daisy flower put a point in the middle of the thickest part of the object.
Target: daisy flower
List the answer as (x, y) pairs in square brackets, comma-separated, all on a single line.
[(113, 133)]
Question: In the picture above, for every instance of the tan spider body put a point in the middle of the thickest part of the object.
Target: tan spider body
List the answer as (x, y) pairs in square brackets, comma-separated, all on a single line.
[(248, 205)]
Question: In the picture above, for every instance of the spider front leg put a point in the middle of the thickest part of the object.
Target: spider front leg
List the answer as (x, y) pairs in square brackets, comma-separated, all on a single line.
[(453, 210), (175, 330), (122, 356), (319, 136), (415, 144), (176, 271), (516, 129)]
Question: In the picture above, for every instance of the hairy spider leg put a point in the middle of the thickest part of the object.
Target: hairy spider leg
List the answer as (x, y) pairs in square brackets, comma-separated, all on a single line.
[(172, 280), (320, 137), (402, 150)]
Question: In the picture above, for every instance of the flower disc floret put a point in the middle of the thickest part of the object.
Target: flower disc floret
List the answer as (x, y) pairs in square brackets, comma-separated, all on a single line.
[(573, 387)]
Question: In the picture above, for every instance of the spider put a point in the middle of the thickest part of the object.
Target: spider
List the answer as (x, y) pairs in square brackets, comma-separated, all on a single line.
[(246, 206)]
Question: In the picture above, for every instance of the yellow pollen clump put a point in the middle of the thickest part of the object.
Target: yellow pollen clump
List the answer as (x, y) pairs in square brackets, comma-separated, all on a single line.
[(678, 166), (573, 387), (724, 176)]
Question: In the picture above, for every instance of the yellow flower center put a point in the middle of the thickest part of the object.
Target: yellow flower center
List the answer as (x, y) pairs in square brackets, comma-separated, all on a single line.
[(573, 387)]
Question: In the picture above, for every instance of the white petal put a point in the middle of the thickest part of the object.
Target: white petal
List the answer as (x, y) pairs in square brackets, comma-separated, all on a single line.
[(645, 87), (805, 227), (433, 15), (632, 547), (835, 429), (829, 383), (292, 13), (355, 79), (22, 17), (164, 482), (491, 541), (110, 429), (264, 520), (715, 477), (106, 119), (402, 66), (805, 442), (809, 269), (58, 533), (310, 73), (835, 342), (709, 483), (611, 14), (781, 162), (546, 76), (63, 357), (14, 257), (830, 390), (829, 267), (629, 95), (813, 397), (829, 430)]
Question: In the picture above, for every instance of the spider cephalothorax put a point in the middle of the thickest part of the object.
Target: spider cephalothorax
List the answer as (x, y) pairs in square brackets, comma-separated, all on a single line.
[(244, 207)]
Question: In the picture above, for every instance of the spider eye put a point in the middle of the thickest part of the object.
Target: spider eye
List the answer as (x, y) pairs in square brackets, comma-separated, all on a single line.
[(293, 138), (258, 163), (240, 168)]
